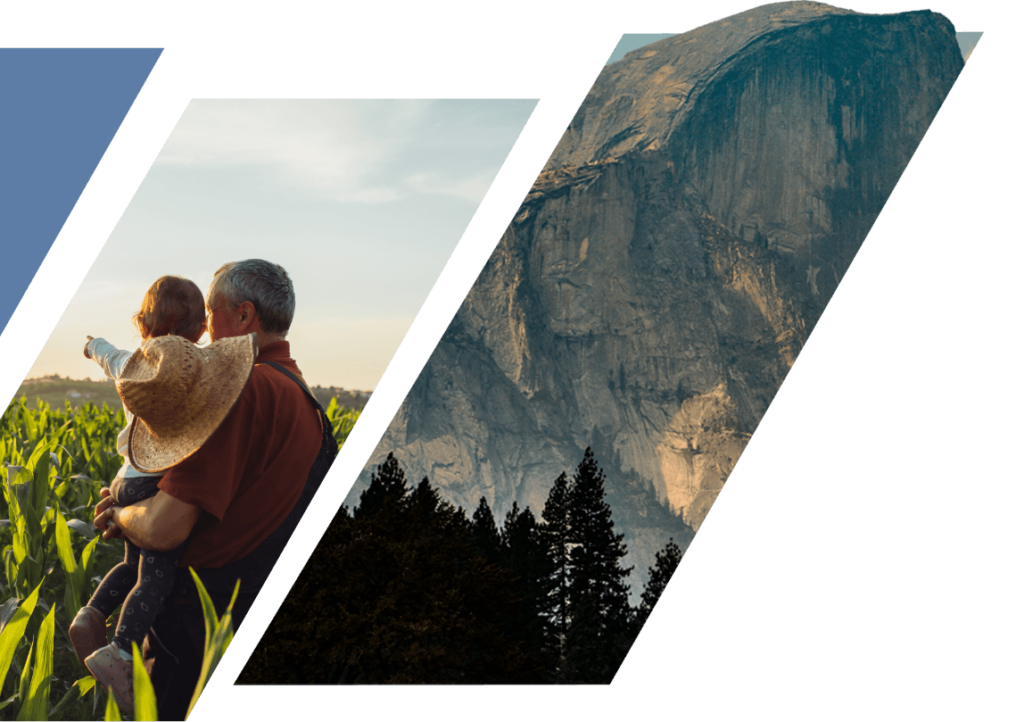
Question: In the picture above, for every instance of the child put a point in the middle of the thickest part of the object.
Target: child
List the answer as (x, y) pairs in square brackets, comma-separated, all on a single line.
[(172, 306)]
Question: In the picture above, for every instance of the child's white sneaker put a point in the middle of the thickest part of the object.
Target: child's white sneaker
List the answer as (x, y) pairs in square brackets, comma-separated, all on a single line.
[(114, 672)]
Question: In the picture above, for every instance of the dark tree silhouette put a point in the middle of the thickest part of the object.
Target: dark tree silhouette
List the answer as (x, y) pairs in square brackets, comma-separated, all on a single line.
[(600, 629), (665, 563), (555, 536), (400, 595), (524, 554), (406, 589), (588, 657), (386, 484), (485, 532), (424, 501)]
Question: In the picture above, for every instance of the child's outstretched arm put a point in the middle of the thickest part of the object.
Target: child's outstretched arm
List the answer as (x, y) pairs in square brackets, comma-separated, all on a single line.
[(110, 358)]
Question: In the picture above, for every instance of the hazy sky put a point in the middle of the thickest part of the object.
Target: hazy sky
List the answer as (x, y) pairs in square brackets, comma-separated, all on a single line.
[(361, 201)]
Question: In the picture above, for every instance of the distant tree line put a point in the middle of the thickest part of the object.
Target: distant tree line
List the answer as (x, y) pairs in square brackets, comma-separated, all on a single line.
[(346, 398), (407, 589)]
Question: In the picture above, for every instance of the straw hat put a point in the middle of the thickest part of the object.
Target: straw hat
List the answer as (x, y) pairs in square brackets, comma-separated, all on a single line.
[(180, 393)]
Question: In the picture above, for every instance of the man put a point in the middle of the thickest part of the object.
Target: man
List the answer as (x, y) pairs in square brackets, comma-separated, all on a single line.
[(232, 499)]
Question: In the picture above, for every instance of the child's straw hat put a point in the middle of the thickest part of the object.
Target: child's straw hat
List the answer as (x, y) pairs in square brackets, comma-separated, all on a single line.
[(180, 393)]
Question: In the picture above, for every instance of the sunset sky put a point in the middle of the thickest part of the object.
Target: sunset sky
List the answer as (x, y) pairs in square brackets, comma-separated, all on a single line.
[(362, 202)]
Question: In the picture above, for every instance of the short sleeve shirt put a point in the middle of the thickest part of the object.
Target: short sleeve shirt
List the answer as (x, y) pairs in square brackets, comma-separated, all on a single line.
[(250, 472)]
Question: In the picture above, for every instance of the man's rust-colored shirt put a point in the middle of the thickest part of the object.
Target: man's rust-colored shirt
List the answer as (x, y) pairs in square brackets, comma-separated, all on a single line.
[(249, 474)]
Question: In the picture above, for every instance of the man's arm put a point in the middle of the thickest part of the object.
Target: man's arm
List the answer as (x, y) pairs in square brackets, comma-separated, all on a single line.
[(160, 522)]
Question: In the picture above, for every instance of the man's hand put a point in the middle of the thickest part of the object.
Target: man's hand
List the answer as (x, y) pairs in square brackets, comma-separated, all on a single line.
[(160, 522), (86, 349), (103, 517)]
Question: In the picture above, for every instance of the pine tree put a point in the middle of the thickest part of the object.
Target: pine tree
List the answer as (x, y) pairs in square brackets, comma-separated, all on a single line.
[(387, 485), (424, 501), (665, 563), (485, 532), (599, 633), (524, 554), (588, 657), (555, 537)]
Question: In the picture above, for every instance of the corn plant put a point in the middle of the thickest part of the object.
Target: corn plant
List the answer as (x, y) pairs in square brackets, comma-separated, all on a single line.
[(53, 464), (342, 420)]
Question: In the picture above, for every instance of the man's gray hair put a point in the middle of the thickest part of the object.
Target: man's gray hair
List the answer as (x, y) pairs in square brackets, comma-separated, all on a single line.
[(264, 284)]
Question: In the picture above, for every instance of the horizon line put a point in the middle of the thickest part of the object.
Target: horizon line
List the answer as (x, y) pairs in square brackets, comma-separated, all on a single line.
[(110, 380)]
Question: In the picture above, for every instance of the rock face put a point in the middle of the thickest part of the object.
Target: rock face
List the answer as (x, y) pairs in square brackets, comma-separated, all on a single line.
[(668, 265)]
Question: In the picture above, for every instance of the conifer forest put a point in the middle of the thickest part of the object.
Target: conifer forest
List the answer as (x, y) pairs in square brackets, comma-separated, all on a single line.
[(408, 589)]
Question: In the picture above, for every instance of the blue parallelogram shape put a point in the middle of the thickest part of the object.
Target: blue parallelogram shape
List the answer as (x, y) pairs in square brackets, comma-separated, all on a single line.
[(59, 110)]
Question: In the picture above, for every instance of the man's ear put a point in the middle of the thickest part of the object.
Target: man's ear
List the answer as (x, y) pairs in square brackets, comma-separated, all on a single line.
[(246, 314)]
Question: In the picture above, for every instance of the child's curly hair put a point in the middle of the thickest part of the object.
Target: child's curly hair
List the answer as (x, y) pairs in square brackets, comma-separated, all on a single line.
[(172, 306)]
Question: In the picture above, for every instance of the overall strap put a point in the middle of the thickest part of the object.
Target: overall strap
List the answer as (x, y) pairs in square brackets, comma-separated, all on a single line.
[(255, 566), (294, 378), (325, 423)]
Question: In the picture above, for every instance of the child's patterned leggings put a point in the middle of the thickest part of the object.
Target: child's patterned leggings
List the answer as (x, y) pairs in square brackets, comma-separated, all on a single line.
[(140, 583)]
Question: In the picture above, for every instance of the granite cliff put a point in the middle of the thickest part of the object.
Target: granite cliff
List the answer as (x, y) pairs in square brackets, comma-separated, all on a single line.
[(668, 265)]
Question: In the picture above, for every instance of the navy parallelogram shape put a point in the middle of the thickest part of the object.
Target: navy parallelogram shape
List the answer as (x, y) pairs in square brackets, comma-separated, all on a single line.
[(60, 109)]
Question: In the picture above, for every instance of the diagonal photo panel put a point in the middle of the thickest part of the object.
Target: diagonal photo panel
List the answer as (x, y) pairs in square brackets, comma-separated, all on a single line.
[(570, 433), (219, 346)]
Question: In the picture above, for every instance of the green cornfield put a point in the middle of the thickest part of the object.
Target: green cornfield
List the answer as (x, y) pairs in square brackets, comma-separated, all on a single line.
[(53, 463)]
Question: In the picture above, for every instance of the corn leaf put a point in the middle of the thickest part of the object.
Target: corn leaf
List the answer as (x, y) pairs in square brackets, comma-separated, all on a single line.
[(113, 713), (7, 611), (11, 567), (38, 702), (72, 590), (87, 555), (84, 528), (9, 701), (78, 690), (145, 697), (25, 676), (12, 633), (31, 427), (219, 633), (39, 462)]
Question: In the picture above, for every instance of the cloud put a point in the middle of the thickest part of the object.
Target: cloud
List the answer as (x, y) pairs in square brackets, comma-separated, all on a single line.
[(334, 147), (368, 151), (106, 290), (92, 290), (472, 188)]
